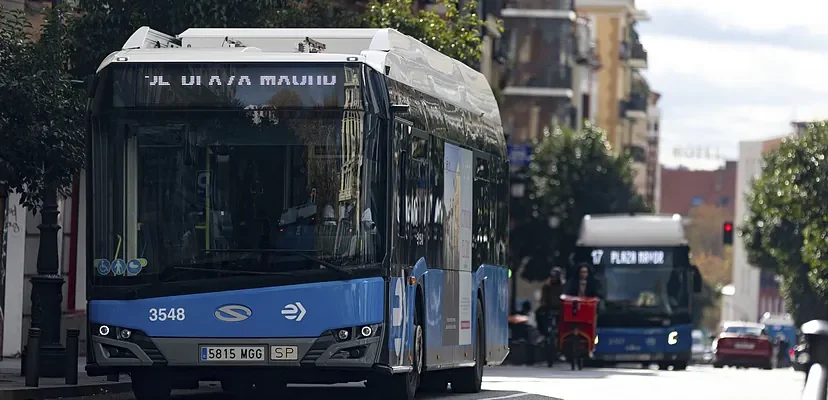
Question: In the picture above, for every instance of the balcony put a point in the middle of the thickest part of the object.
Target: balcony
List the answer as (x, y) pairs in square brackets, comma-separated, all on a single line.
[(635, 107), (638, 56), (539, 9), (543, 81)]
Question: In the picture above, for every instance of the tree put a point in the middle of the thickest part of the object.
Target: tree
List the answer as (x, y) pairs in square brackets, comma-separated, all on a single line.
[(787, 222), (41, 111), (571, 175)]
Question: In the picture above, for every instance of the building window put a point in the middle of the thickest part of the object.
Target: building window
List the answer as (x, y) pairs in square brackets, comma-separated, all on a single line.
[(697, 201), (723, 202)]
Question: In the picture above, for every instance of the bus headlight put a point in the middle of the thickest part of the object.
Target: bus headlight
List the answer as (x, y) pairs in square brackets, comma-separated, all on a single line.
[(672, 338), (103, 330)]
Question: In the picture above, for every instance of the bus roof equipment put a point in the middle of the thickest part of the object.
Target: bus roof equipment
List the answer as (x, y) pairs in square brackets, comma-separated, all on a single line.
[(398, 56)]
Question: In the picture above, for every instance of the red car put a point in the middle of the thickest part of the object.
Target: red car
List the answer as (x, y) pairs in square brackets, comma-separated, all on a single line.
[(744, 344)]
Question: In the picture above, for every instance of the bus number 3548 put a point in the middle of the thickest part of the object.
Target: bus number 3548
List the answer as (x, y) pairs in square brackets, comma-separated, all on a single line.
[(164, 314)]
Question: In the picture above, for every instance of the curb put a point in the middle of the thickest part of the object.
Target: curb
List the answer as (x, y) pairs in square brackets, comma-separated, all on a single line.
[(58, 391)]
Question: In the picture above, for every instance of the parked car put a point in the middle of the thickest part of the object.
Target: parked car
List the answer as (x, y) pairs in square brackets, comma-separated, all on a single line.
[(744, 344)]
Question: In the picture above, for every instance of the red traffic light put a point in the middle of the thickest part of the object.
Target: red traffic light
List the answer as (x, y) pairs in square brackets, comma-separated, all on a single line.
[(728, 227)]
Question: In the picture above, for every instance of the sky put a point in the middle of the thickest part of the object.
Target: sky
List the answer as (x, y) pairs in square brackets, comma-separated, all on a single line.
[(734, 70)]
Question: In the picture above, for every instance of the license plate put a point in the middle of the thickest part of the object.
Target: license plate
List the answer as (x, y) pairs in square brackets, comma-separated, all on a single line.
[(744, 345), (632, 357), (284, 353), (232, 353)]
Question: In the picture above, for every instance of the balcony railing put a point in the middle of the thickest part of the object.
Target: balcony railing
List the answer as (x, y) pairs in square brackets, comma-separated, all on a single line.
[(638, 52), (549, 76), (636, 103), (567, 5)]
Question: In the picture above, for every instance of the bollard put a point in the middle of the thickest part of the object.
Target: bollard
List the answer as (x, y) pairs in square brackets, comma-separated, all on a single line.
[(33, 358), (72, 356), (113, 378)]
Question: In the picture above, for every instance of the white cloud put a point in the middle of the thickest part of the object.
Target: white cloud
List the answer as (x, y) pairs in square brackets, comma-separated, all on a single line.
[(761, 16), (680, 67), (736, 65)]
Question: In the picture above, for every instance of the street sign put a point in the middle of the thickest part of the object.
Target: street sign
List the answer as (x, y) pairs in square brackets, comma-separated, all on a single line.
[(519, 155)]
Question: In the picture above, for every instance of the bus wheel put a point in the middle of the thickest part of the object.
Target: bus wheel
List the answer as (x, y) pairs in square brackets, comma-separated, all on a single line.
[(404, 386), (469, 380), (680, 366), (151, 386)]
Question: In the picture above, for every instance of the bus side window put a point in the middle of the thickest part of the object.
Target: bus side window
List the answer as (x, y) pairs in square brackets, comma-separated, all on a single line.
[(482, 198), (402, 135)]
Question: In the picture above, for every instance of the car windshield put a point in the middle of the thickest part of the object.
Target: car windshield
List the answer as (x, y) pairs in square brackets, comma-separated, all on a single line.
[(744, 330)]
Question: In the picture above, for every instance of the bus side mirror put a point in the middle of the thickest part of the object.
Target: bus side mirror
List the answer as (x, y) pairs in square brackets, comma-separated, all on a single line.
[(697, 280)]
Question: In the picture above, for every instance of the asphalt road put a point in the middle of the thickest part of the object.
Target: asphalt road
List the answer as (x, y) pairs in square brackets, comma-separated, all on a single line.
[(536, 383)]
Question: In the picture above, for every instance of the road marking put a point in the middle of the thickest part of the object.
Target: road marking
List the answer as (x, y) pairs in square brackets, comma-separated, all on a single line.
[(511, 396)]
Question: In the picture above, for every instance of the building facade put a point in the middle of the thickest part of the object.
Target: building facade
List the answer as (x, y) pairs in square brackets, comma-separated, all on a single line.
[(652, 193), (693, 188), (538, 41), (753, 291), (621, 102)]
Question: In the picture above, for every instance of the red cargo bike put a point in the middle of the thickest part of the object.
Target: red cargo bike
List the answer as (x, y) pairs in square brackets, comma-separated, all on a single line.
[(576, 331)]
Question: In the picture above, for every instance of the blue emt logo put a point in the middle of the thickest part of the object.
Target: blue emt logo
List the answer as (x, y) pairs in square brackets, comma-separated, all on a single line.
[(232, 313)]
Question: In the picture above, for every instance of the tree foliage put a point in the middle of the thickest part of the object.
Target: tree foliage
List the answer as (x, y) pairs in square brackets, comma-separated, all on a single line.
[(787, 224), (41, 110), (572, 174), (456, 33)]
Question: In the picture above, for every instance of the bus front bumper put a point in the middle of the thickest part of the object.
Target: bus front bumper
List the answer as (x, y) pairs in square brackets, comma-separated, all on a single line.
[(115, 353), (643, 357)]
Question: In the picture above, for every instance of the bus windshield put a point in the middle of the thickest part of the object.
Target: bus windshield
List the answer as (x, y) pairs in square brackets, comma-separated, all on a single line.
[(644, 280), (182, 195)]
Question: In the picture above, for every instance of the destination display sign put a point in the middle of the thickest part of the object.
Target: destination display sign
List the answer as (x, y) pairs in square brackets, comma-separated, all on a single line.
[(630, 257), (230, 85)]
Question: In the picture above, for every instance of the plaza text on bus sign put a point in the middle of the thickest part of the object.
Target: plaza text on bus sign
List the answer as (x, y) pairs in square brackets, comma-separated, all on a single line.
[(630, 257), (244, 80)]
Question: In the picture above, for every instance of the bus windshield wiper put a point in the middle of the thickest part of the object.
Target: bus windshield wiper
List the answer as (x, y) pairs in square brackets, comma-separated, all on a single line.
[(301, 253)]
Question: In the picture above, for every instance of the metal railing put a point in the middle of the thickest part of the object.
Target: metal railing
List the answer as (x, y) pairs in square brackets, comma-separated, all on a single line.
[(637, 52), (545, 76), (568, 5)]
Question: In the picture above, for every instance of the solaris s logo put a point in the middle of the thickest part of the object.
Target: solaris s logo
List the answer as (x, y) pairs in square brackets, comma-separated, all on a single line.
[(233, 313)]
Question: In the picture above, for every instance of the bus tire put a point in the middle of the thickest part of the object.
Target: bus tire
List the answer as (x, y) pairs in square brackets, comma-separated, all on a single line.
[(680, 366), (151, 386), (470, 380)]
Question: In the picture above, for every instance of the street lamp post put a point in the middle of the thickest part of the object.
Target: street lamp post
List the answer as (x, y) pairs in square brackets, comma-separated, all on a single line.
[(47, 285), (47, 291)]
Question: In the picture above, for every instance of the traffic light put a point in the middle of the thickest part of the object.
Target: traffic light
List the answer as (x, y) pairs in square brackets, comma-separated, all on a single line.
[(727, 232)]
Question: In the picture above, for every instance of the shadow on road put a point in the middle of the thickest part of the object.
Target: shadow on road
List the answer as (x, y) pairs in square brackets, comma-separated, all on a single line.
[(539, 374), (355, 393)]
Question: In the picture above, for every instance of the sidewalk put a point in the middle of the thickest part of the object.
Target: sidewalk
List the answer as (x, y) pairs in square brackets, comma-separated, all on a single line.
[(12, 385)]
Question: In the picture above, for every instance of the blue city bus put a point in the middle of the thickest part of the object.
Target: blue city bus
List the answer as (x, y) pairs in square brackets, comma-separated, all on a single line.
[(267, 208), (646, 281)]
